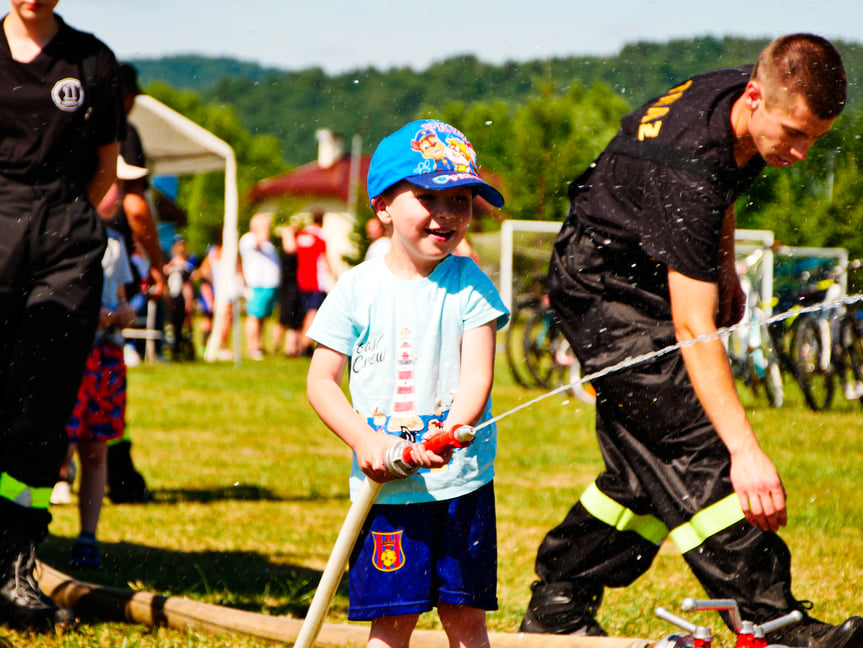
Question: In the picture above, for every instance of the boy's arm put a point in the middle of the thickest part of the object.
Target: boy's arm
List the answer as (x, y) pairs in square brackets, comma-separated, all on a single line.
[(475, 377), (474, 386), (323, 389)]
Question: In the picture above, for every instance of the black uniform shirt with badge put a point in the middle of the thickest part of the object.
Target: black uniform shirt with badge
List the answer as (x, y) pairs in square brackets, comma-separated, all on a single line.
[(52, 118), (662, 187)]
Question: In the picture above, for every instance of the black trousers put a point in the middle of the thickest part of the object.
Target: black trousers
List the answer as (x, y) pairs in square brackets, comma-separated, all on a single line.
[(662, 456), (51, 246)]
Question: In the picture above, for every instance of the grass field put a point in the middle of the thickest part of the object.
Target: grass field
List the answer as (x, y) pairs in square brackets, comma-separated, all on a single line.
[(251, 489)]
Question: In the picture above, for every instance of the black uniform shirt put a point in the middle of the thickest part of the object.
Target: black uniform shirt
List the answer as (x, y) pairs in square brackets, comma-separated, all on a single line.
[(51, 119), (649, 198)]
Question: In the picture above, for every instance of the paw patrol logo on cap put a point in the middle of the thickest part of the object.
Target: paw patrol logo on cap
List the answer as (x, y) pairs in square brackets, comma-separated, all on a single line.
[(442, 147), (430, 154)]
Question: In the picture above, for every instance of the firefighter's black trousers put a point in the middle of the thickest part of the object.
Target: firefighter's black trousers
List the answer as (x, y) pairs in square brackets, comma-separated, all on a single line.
[(51, 246)]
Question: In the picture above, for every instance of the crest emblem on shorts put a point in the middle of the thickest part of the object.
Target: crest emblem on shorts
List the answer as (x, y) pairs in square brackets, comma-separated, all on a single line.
[(388, 554), (68, 94)]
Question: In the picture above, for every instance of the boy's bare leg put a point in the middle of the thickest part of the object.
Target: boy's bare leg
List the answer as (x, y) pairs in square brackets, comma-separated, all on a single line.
[(464, 625), (392, 631), (94, 472)]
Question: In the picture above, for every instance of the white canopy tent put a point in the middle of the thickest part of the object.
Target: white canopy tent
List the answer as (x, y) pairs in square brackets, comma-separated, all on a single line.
[(175, 145)]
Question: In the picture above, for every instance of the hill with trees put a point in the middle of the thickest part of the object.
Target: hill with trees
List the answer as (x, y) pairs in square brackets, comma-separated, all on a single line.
[(291, 105), (536, 124)]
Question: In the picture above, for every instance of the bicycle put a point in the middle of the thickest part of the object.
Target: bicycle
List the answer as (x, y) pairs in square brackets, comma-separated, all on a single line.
[(537, 352), (523, 311), (549, 356), (750, 348), (827, 345), (803, 341)]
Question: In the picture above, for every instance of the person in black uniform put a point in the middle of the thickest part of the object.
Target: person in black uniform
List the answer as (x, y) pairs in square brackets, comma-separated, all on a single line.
[(645, 259), (61, 121)]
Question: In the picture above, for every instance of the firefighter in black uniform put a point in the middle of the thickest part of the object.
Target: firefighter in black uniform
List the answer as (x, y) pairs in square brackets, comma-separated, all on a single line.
[(61, 120), (645, 259)]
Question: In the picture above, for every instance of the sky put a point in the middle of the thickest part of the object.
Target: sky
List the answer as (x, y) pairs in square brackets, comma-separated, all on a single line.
[(343, 35)]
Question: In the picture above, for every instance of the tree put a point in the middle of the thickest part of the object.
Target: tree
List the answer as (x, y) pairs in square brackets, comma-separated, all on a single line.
[(553, 139)]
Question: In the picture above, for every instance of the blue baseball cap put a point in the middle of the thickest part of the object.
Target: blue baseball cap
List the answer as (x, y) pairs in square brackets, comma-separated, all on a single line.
[(430, 154)]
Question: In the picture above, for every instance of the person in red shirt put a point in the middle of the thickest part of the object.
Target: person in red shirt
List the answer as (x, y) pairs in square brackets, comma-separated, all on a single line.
[(314, 272)]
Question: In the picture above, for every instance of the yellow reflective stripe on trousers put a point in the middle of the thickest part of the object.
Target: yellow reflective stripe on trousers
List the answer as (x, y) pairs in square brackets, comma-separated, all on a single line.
[(603, 508), (710, 521), (22, 494)]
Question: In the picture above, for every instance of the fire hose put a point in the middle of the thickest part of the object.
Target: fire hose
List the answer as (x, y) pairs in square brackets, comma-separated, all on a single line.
[(400, 465)]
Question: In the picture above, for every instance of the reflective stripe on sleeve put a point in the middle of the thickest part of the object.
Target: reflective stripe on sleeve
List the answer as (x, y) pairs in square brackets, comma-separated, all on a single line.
[(603, 508), (22, 494)]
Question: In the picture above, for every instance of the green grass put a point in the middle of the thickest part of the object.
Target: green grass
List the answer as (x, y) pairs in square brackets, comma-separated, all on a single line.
[(251, 489)]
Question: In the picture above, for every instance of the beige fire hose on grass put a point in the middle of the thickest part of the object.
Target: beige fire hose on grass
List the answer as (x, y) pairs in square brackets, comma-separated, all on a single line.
[(91, 601)]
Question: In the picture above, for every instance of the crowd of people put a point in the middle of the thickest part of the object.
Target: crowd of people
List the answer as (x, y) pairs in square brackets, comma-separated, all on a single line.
[(281, 277), (644, 258)]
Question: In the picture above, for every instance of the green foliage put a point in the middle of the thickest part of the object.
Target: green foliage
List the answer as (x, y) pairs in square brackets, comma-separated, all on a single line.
[(540, 145)]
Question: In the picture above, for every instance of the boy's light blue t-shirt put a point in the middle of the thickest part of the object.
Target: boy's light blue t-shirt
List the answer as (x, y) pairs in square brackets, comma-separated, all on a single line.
[(403, 339)]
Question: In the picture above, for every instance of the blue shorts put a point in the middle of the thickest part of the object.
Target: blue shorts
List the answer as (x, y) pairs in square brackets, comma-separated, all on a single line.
[(311, 301), (411, 556), (261, 302)]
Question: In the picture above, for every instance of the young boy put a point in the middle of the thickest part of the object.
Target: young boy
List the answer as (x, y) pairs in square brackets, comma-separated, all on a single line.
[(418, 326), (99, 414)]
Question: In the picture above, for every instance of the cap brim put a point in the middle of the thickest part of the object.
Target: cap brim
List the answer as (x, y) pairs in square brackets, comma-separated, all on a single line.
[(126, 171), (447, 179)]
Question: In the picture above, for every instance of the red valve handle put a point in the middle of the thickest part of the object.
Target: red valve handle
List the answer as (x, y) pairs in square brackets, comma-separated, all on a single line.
[(399, 460), (459, 436)]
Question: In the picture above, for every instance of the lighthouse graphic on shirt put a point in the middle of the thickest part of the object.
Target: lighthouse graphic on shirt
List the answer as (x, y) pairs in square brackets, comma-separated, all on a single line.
[(404, 417)]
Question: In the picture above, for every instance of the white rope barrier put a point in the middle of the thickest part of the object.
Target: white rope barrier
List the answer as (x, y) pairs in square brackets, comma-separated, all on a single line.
[(647, 357)]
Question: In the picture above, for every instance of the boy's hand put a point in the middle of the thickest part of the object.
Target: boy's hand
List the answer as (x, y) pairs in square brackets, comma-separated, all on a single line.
[(371, 454), (428, 459), (124, 315)]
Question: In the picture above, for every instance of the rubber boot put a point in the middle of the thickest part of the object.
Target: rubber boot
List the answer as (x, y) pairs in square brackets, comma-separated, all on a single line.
[(811, 633), (23, 606), (125, 484), (561, 608)]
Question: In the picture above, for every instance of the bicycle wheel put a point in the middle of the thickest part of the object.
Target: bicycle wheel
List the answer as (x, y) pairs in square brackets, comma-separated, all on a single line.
[(522, 313), (773, 386), (851, 348), (770, 373), (541, 337), (815, 376), (735, 348)]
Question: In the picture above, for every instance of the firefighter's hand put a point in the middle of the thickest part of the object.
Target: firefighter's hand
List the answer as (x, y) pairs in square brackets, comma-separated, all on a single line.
[(759, 487)]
